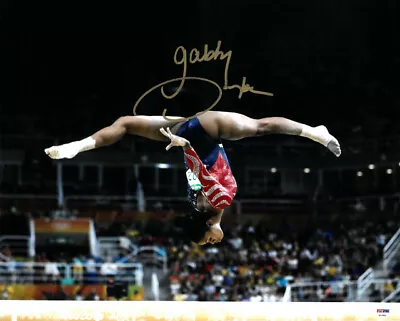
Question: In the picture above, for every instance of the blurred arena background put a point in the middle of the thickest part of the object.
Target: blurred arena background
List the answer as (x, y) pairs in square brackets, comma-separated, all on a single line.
[(305, 226)]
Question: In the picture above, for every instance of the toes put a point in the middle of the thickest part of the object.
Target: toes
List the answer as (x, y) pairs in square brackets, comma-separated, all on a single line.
[(52, 153), (334, 147)]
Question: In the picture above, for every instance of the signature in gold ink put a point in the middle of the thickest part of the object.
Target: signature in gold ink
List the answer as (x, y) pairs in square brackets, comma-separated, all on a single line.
[(181, 58)]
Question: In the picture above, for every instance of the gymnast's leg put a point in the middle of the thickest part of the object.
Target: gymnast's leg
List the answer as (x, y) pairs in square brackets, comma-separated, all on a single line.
[(234, 126), (145, 126)]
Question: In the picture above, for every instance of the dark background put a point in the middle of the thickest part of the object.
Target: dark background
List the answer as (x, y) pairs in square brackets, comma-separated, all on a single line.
[(331, 62), (70, 68)]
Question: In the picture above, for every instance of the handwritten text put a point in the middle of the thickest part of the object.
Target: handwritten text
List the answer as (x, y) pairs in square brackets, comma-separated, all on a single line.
[(182, 58)]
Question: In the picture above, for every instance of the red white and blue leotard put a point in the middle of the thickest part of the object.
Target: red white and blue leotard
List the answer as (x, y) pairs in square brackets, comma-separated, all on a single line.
[(208, 161)]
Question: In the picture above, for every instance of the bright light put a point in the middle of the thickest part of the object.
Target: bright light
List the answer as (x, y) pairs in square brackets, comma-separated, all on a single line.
[(273, 170), (360, 173), (371, 166), (306, 170), (389, 171), (163, 166)]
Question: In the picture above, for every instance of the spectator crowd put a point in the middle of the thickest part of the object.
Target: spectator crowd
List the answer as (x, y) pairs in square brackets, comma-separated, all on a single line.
[(255, 264)]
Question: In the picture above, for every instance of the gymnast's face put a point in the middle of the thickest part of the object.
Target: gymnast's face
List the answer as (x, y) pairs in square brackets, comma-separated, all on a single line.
[(213, 235)]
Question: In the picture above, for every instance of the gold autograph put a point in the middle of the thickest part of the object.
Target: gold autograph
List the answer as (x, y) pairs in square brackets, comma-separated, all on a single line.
[(181, 58)]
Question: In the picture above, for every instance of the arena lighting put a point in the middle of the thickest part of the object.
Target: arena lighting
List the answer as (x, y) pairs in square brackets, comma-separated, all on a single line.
[(360, 173), (306, 170), (163, 166), (371, 166), (389, 171), (273, 170)]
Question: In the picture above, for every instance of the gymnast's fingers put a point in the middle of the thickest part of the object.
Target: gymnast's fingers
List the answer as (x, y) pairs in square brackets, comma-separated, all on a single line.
[(169, 131)]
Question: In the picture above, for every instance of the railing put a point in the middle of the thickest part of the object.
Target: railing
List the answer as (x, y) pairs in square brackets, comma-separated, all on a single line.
[(342, 291), (108, 246), (391, 249), (339, 291), (241, 205), (111, 246), (179, 204), (13, 272), (153, 255), (369, 276), (19, 245), (364, 282), (390, 202)]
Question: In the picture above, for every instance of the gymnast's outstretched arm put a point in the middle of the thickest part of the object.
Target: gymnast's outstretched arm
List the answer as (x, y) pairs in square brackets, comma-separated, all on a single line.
[(234, 126)]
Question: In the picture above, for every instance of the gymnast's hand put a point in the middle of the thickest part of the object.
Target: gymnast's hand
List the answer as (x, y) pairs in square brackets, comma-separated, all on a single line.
[(175, 140)]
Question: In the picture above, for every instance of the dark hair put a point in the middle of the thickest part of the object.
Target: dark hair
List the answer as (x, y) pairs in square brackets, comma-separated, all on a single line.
[(195, 225)]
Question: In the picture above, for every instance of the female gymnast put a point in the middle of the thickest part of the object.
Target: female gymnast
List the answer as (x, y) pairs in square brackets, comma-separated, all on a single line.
[(211, 185)]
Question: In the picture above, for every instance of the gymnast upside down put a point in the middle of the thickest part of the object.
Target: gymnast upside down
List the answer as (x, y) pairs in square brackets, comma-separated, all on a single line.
[(211, 185)]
